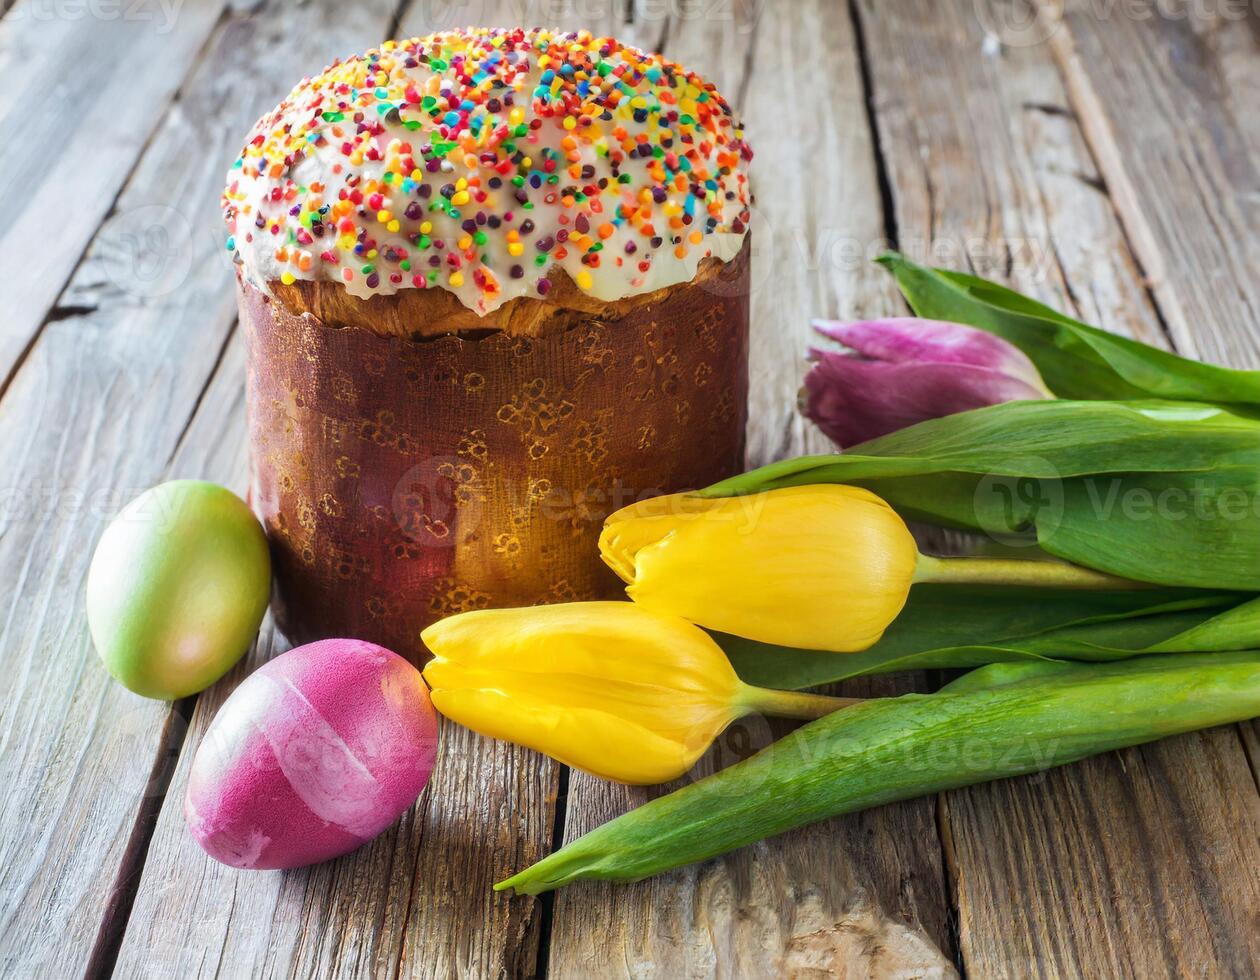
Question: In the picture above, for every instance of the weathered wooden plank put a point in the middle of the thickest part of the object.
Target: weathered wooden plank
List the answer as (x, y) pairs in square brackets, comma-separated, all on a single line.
[(492, 807), (1137, 863), (1192, 75), (90, 419), (485, 811), (998, 180), (860, 895), (418, 900), (88, 422), (1167, 101), (194, 917), (82, 87)]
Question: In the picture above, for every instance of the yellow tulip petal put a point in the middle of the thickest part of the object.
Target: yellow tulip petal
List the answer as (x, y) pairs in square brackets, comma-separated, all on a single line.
[(612, 688), (586, 738), (819, 567), (611, 639)]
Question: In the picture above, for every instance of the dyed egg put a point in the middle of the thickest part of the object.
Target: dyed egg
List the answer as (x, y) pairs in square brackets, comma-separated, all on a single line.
[(178, 586), (317, 752)]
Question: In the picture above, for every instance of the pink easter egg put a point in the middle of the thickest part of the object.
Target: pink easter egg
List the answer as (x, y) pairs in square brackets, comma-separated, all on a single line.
[(314, 754)]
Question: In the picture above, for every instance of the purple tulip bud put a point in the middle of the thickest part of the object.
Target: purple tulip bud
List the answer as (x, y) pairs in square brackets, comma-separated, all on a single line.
[(903, 370)]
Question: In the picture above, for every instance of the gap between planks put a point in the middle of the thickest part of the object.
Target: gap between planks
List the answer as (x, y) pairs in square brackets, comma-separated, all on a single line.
[(111, 931), (55, 311), (890, 216), (906, 107), (228, 338), (882, 175), (117, 912), (777, 905), (944, 829), (1098, 131)]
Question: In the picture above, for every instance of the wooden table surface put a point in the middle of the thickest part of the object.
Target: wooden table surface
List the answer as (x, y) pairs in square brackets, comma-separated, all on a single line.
[(1100, 156)]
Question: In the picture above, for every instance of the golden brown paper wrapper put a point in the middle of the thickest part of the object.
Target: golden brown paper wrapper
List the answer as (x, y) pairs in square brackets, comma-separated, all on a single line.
[(405, 478)]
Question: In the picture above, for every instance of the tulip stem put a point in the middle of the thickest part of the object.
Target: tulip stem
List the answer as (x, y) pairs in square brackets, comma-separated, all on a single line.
[(1017, 571), (793, 704)]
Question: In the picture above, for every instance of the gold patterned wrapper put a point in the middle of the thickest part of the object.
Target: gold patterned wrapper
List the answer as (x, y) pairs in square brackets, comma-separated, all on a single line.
[(404, 478)]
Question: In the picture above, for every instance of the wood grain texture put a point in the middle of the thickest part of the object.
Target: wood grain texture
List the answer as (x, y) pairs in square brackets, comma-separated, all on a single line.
[(1162, 841), (85, 761), (1192, 75), (1000, 182), (1167, 102), (70, 164), (193, 917), (88, 422), (415, 902), (860, 895), (1139, 863)]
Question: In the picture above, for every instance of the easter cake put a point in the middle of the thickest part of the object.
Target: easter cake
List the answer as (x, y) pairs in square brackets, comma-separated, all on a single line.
[(495, 285)]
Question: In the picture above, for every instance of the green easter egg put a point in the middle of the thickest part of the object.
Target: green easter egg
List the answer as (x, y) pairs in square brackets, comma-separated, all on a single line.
[(178, 587)]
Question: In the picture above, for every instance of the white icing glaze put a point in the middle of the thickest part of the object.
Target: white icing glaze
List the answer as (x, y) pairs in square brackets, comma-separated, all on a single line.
[(414, 206)]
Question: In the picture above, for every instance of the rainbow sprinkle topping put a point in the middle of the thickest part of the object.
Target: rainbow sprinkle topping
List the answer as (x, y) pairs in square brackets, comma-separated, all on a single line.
[(481, 160)]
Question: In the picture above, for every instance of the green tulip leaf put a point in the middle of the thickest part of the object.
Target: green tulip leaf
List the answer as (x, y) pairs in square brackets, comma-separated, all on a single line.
[(950, 626), (1156, 491), (1001, 720), (1075, 360)]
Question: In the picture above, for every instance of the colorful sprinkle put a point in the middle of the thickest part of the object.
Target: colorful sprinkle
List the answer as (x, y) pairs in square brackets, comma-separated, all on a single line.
[(497, 158)]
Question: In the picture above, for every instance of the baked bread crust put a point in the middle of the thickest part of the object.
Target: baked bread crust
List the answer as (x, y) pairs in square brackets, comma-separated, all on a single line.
[(422, 313)]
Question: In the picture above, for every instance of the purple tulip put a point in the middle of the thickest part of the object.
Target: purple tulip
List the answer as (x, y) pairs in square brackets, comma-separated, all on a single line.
[(903, 370)]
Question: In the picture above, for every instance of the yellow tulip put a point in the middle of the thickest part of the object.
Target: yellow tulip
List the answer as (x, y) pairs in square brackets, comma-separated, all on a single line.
[(611, 688), (823, 567), (820, 567)]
